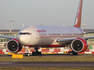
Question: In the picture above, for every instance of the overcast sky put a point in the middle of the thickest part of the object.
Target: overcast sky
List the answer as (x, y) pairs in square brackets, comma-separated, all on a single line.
[(45, 12)]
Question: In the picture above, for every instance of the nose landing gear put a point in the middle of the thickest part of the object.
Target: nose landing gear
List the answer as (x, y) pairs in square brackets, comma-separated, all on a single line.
[(36, 52)]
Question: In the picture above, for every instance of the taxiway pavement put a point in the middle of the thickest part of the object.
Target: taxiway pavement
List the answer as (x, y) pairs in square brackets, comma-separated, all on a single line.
[(46, 64)]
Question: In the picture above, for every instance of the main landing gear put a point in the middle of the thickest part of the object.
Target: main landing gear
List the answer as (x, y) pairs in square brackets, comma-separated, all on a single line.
[(36, 52), (72, 53)]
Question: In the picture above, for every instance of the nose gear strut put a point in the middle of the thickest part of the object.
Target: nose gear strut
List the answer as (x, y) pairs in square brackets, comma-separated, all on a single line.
[(36, 52)]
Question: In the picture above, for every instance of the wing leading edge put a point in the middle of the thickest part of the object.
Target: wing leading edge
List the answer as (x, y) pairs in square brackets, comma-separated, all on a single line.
[(67, 40), (9, 37)]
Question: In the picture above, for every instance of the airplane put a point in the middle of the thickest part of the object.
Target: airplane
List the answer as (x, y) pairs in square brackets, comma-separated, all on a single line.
[(51, 36)]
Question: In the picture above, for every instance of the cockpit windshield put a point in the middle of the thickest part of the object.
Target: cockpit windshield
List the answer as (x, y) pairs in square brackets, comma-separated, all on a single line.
[(25, 33)]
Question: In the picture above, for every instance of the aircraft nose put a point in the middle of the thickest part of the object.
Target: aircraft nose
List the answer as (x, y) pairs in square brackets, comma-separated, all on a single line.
[(22, 39)]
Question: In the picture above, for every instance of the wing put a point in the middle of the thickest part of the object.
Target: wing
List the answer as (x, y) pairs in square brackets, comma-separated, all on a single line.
[(9, 37), (66, 40), (88, 32), (88, 37), (69, 40)]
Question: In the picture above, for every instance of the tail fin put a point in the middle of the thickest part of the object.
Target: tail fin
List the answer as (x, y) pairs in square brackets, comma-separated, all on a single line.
[(78, 16)]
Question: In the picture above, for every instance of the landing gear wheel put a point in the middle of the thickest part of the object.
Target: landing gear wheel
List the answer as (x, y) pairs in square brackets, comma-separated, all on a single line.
[(75, 53), (27, 54), (36, 53), (72, 53)]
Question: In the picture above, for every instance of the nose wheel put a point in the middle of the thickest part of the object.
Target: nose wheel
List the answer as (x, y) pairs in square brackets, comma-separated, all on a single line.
[(36, 52)]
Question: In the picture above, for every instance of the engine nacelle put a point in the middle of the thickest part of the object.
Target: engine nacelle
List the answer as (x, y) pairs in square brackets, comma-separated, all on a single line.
[(13, 46), (79, 45)]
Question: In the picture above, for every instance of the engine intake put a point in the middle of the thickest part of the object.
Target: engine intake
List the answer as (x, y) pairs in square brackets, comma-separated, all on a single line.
[(79, 45), (13, 46)]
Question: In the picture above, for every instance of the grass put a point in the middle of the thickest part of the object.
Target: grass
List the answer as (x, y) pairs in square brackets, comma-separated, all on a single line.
[(82, 58), (46, 68)]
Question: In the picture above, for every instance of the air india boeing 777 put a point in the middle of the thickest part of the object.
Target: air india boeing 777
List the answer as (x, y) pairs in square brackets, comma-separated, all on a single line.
[(50, 36)]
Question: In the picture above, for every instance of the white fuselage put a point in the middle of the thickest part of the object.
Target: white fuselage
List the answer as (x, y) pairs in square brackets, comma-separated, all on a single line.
[(46, 36)]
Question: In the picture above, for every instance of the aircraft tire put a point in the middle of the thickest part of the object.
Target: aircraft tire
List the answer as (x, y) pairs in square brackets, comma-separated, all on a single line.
[(27, 54), (72, 53), (36, 53)]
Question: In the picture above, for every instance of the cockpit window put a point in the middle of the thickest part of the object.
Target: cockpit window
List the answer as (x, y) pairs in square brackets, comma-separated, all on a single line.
[(26, 33)]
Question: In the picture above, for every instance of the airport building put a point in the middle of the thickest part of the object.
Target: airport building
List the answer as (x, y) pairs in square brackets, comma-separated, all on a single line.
[(13, 32)]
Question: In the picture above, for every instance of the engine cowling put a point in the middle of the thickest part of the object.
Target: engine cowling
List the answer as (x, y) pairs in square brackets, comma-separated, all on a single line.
[(79, 45), (13, 46)]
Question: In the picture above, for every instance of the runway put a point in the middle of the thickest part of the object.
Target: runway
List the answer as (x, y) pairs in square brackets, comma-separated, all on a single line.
[(48, 55), (46, 64)]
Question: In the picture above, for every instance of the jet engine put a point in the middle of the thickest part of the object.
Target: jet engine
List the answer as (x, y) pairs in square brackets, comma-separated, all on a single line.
[(79, 45), (13, 46)]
